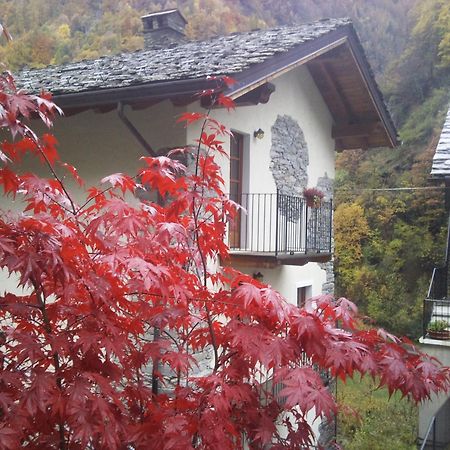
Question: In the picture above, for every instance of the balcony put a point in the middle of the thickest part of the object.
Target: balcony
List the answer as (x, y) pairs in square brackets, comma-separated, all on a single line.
[(274, 229), (436, 308)]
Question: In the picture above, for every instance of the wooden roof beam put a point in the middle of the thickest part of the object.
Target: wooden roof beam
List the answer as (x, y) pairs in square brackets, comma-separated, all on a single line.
[(337, 92), (354, 130), (260, 94), (344, 113), (352, 144), (357, 53)]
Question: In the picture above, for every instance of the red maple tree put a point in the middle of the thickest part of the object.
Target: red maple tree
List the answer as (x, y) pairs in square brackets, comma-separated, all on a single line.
[(118, 301)]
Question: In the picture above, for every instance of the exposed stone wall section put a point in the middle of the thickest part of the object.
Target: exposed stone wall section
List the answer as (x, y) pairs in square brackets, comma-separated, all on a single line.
[(289, 156), (205, 361), (327, 428), (326, 185), (328, 286)]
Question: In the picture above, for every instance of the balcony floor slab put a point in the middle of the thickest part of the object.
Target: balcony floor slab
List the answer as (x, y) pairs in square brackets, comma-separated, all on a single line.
[(270, 259), (438, 342)]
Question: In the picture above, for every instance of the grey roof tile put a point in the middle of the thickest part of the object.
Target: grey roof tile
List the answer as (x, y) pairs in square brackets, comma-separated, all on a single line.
[(441, 159), (218, 56)]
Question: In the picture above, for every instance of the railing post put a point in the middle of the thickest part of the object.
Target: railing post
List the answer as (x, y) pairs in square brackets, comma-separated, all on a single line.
[(330, 215), (430, 430), (317, 214), (424, 318), (306, 227), (277, 213), (434, 433), (286, 206)]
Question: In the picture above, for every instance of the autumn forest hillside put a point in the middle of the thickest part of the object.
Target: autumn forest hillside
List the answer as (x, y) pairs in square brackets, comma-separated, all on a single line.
[(387, 241)]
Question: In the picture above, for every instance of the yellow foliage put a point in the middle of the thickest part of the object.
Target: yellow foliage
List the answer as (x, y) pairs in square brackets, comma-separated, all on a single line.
[(388, 208), (351, 227), (444, 27), (433, 18), (63, 32)]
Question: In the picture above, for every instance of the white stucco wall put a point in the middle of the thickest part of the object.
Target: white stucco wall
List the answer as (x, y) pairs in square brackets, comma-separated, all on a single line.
[(429, 408), (100, 144), (286, 279)]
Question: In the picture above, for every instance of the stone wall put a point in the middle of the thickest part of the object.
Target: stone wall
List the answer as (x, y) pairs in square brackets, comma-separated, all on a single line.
[(289, 156), (326, 185)]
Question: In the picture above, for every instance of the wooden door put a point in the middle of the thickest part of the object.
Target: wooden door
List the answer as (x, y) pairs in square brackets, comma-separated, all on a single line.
[(236, 164)]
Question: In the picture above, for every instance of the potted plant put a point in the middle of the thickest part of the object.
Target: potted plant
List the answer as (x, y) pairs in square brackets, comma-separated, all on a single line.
[(438, 329), (313, 197)]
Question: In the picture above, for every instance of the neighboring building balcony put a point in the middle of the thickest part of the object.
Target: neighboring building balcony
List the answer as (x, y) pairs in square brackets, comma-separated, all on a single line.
[(436, 309), (274, 229)]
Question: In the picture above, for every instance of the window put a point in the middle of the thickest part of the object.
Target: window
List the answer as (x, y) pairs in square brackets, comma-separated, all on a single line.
[(304, 292), (301, 296)]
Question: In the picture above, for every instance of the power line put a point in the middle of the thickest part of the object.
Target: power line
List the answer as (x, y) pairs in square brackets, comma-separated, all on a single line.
[(416, 188)]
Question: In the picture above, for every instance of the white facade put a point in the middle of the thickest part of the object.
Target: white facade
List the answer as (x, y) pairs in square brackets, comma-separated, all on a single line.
[(438, 405)]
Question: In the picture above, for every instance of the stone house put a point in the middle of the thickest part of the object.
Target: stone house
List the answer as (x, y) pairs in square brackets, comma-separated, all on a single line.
[(301, 93)]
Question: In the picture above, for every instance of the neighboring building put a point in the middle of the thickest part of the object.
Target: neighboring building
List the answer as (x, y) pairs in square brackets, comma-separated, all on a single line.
[(434, 415), (301, 92)]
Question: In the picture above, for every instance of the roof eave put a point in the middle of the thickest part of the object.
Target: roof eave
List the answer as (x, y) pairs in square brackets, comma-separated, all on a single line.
[(281, 63), (300, 55), (246, 80), (129, 94), (377, 98)]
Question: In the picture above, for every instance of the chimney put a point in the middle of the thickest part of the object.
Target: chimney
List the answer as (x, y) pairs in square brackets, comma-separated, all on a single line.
[(163, 29)]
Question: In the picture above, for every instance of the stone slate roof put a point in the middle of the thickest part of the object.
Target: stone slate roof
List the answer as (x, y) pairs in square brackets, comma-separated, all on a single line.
[(441, 158), (224, 55)]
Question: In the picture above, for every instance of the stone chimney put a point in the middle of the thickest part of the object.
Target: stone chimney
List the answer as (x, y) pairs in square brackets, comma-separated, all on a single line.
[(163, 29)]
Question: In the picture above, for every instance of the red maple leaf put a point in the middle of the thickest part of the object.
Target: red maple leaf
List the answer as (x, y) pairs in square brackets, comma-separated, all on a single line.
[(10, 181), (125, 182)]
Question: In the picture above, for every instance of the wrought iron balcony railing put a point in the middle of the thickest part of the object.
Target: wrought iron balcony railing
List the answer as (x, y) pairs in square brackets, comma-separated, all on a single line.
[(280, 224), (436, 310)]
